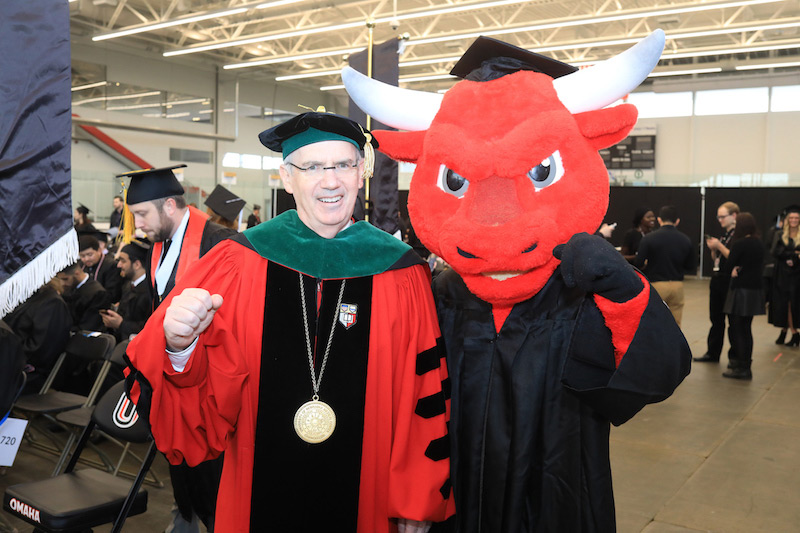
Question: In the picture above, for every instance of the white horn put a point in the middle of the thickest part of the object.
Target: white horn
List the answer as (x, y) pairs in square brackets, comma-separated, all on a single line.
[(403, 109), (604, 83)]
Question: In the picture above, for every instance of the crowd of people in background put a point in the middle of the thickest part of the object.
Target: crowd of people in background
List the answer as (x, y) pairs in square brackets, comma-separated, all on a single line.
[(750, 276)]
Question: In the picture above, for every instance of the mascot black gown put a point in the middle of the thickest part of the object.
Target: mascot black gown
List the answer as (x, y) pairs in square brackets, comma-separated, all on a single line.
[(551, 335)]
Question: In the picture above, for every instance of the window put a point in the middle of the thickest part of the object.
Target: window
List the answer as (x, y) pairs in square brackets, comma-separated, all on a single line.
[(251, 161), (653, 105), (731, 101), (785, 98), (230, 160), (271, 163)]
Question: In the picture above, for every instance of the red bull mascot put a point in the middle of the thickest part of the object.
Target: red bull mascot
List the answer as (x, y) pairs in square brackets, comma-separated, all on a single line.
[(551, 335)]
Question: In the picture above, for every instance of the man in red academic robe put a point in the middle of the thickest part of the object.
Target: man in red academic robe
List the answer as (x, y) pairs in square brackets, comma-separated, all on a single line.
[(311, 346), (181, 235)]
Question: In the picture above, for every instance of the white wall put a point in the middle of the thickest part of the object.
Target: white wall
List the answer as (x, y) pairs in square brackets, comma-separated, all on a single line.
[(691, 149)]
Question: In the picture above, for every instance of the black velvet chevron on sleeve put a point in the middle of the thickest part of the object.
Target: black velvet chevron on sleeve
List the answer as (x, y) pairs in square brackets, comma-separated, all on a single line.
[(430, 406), (438, 449), (430, 359)]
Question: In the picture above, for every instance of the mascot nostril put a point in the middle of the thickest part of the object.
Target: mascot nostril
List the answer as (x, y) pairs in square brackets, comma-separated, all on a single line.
[(554, 347), (530, 248)]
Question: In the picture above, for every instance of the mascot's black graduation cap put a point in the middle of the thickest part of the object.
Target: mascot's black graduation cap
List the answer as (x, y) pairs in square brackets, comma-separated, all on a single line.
[(488, 59), (152, 184), (224, 203)]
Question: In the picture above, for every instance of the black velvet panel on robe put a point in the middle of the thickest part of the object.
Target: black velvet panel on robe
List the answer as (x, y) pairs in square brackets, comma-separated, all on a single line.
[(299, 486), (531, 405)]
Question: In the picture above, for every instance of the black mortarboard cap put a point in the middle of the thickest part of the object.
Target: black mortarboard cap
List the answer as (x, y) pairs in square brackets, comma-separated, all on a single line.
[(312, 127), (96, 233), (488, 59), (136, 250), (224, 203), (152, 184), (83, 210), (794, 208), (256, 207)]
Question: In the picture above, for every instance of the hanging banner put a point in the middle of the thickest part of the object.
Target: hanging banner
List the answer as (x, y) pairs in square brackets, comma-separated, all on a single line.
[(37, 238), (383, 186)]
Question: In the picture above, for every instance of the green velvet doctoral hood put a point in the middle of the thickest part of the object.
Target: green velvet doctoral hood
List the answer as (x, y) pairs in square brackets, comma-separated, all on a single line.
[(359, 250)]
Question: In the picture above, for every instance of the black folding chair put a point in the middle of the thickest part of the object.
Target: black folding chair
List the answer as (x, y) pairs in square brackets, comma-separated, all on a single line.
[(77, 419), (81, 499), (12, 381), (86, 346)]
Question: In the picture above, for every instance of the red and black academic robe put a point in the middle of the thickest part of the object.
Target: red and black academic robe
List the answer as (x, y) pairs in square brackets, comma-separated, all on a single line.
[(201, 235), (387, 458), (194, 489), (532, 403)]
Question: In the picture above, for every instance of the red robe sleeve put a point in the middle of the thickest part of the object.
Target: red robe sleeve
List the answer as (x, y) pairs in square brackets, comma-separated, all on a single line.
[(192, 413), (406, 409)]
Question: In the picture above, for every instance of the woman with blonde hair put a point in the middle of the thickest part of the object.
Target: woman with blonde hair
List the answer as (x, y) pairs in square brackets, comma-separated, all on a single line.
[(785, 302)]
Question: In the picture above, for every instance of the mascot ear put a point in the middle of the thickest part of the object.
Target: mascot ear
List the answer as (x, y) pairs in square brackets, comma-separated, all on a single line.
[(400, 145), (606, 127)]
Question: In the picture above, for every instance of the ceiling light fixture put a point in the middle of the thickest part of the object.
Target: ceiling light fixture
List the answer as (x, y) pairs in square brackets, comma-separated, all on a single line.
[(118, 97), (309, 75), (684, 72), (88, 86), (349, 25), (769, 65), (594, 20), (188, 20), (262, 39), (288, 59), (551, 25)]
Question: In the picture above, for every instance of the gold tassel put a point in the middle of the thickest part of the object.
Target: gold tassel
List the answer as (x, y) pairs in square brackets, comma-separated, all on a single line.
[(369, 156), (127, 223)]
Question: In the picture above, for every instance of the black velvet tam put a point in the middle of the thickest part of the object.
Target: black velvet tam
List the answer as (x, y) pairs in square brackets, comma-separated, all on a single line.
[(488, 59), (152, 184), (325, 126)]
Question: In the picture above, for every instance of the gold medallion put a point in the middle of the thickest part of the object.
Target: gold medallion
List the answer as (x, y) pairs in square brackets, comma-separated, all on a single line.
[(314, 421)]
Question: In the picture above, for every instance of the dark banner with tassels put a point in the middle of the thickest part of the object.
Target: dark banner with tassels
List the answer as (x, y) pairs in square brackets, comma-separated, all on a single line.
[(36, 235), (383, 186)]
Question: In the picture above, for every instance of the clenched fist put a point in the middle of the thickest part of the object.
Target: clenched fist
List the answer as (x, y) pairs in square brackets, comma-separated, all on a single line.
[(189, 314), (593, 265)]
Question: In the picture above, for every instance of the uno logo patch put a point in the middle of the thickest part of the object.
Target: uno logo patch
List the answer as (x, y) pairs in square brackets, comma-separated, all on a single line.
[(347, 315), (124, 415), (24, 509)]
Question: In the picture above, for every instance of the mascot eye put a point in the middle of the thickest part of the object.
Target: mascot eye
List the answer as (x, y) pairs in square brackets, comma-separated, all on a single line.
[(547, 172), (452, 182)]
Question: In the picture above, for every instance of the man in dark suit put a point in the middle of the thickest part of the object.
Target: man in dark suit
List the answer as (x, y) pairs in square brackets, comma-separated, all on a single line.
[(85, 297), (99, 266), (181, 235), (136, 304), (665, 255)]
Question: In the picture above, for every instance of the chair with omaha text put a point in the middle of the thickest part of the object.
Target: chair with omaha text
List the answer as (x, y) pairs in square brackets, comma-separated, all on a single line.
[(81, 499)]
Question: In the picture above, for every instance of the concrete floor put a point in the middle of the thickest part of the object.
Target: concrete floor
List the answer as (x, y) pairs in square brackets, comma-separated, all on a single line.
[(719, 455)]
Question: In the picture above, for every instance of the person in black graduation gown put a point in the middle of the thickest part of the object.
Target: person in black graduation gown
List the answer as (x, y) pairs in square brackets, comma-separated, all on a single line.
[(42, 323), (180, 235), (100, 266), (136, 304), (255, 217), (85, 298)]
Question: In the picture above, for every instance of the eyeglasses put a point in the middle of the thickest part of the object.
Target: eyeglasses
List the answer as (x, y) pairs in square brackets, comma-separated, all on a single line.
[(720, 217), (342, 169)]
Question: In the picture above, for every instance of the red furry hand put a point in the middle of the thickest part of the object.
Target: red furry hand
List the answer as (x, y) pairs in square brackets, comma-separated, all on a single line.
[(593, 265)]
